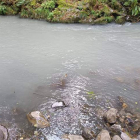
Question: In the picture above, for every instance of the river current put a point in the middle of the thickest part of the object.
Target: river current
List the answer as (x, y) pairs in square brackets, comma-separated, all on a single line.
[(101, 63)]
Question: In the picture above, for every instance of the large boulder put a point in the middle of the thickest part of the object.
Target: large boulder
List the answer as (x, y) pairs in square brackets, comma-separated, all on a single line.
[(111, 115), (37, 119), (73, 137), (116, 137), (103, 135)]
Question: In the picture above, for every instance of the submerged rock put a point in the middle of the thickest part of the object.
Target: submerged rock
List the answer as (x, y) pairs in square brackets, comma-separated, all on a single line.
[(87, 133), (37, 119), (103, 135), (73, 137), (111, 115), (3, 133), (129, 121), (122, 103), (116, 137), (58, 104), (124, 136)]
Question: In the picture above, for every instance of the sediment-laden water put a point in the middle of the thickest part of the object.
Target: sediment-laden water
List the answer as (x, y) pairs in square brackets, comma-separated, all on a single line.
[(35, 56)]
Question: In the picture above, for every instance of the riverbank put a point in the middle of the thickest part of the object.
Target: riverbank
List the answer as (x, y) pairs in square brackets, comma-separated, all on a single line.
[(121, 123), (67, 11)]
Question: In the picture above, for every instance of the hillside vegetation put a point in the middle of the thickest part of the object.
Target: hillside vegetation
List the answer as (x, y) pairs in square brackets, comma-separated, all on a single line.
[(74, 11)]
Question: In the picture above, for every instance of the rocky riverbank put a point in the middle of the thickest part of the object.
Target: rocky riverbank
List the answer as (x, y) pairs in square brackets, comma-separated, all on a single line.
[(118, 124), (68, 11)]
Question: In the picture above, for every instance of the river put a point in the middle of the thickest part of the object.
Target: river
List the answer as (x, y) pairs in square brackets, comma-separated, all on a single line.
[(35, 56)]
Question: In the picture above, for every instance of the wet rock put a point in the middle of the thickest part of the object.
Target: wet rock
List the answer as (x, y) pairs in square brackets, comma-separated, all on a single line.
[(124, 136), (137, 81), (116, 127), (116, 137), (37, 119), (104, 20), (122, 103), (100, 112), (103, 135), (120, 19), (58, 104), (129, 121), (122, 113), (3, 133), (138, 137), (87, 133), (136, 126), (73, 137), (119, 79), (129, 115), (137, 115), (111, 115)]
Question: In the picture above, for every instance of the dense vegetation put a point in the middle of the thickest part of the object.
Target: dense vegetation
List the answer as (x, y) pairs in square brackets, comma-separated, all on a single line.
[(74, 11)]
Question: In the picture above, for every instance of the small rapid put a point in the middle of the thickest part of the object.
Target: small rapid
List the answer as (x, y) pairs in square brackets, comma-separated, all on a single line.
[(101, 63)]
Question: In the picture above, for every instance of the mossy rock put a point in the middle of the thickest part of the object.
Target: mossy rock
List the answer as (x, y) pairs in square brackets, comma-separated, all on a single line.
[(71, 15), (104, 20), (87, 20), (120, 19)]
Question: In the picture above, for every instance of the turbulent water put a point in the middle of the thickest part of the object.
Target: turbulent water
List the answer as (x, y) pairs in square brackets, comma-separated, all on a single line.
[(35, 56)]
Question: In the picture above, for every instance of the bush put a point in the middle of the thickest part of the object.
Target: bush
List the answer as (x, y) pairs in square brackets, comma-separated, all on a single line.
[(2, 10)]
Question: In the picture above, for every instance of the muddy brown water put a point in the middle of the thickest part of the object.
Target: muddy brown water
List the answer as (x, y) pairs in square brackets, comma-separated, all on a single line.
[(35, 56)]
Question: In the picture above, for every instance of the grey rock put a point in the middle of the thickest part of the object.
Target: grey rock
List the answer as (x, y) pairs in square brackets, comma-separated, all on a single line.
[(103, 135), (111, 115), (73, 137), (138, 137), (1, 135), (122, 113), (100, 112), (87, 133), (124, 136), (58, 104), (116, 137), (38, 119), (134, 139), (116, 127)]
